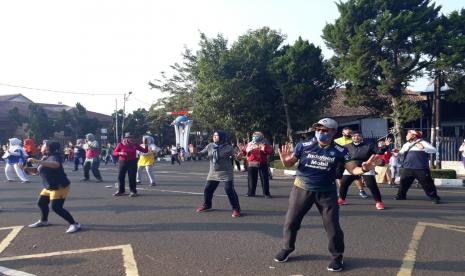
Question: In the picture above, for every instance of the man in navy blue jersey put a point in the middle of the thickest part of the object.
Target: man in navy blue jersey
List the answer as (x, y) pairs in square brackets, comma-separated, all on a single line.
[(315, 183)]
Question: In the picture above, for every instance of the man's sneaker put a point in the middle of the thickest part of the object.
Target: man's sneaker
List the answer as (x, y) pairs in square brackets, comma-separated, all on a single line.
[(336, 265), (39, 223), (236, 214), (399, 197), (379, 205), (119, 194), (153, 184), (202, 209), (73, 228), (84, 179), (363, 194), (341, 201), (137, 181), (132, 194), (282, 255), (436, 200), (99, 180), (268, 196)]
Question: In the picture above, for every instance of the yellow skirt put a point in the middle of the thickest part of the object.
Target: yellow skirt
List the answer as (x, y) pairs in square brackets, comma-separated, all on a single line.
[(61, 193)]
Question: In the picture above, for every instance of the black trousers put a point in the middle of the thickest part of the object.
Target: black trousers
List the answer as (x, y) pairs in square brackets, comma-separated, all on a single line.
[(424, 178), (129, 167), (57, 207), (300, 202), (252, 179), (210, 188), (88, 165), (369, 180)]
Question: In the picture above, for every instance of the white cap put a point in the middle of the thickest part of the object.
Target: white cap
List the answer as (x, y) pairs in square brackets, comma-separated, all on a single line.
[(326, 122)]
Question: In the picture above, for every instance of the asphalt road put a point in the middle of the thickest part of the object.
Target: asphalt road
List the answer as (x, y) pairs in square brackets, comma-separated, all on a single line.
[(159, 232)]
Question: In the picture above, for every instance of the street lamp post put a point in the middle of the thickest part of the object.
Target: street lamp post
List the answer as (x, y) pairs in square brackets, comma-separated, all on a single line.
[(124, 114)]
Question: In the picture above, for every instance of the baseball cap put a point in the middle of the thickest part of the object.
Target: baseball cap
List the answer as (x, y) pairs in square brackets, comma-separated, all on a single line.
[(326, 122)]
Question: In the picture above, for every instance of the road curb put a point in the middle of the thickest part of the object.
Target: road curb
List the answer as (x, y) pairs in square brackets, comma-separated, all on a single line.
[(439, 182)]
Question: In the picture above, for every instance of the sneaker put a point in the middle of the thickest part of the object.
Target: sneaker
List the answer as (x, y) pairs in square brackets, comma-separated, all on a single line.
[(335, 265), (379, 205), (202, 208), (26, 181), (236, 214), (153, 184), (283, 255), (84, 179), (132, 194), (363, 194), (119, 194), (436, 200), (399, 197), (39, 223), (247, 195), (138, 182), (99, 180), (341, 201), (73, 228), (268, 196)]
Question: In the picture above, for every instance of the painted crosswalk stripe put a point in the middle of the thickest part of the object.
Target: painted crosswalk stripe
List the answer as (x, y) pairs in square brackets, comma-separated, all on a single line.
[(12, 272)]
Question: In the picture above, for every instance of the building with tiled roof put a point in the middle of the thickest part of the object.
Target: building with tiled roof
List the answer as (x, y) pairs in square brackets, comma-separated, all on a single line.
[(9, 102)]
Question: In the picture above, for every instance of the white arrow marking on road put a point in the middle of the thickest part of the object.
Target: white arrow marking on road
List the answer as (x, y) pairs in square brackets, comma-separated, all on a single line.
[(12, 272)]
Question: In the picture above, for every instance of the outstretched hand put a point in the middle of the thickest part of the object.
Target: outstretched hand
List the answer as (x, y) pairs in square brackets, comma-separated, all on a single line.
[(370, 163)]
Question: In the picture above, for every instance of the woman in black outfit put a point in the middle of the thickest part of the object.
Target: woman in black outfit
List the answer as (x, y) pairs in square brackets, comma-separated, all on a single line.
[(56, 186)]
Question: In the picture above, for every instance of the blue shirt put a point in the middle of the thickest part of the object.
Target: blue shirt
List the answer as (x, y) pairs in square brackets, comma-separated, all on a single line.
[(316, 169)]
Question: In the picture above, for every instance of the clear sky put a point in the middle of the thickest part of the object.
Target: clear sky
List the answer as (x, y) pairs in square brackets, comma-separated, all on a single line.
[(111, 47)]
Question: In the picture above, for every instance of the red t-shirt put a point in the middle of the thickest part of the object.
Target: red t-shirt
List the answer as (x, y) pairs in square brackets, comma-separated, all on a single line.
[(130, 149)]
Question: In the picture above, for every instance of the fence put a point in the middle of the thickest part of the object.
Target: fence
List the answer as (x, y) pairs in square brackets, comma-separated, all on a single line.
[(449, 148)]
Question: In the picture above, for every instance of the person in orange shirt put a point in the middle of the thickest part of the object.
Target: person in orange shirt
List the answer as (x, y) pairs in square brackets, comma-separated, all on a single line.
[(30, 148)]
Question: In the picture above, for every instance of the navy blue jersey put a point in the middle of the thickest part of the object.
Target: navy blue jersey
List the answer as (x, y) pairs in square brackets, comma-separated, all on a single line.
[(316, 169)]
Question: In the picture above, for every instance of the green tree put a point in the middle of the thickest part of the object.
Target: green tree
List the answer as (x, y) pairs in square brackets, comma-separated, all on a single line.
[(303, 80), (136, 122), (235, 89), (40, 127), (15, 116), (447, 52), (378, 48), (82, 123)]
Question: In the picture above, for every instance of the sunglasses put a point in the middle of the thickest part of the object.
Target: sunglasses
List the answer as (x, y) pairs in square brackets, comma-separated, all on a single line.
[(322, 130)]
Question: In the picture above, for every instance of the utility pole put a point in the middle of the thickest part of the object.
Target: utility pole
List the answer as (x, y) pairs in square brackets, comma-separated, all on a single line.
[(116, 121), (437, 118), (124, 114)]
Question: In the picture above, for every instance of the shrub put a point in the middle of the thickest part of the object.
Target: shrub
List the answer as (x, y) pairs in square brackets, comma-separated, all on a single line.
[(446, 174), (277, 164)]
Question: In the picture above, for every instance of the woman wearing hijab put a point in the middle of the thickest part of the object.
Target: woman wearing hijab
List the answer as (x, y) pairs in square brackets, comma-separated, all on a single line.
[(127, 164), (220, 153), (14, 157), (56, 186), (257, 153)]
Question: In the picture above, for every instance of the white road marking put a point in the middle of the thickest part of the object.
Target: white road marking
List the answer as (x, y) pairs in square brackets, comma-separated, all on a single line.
[(128, 256), (10, 237), (408, 263), (172, 191), (12, 272)]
